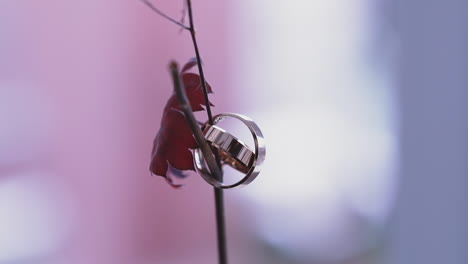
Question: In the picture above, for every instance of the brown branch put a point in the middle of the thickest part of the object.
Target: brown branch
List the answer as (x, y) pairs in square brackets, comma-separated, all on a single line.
[(199, 61), (211, 159), (218, 192), (193, 123)]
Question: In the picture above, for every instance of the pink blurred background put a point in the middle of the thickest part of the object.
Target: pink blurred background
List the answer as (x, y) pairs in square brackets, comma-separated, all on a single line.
[(85, 83), (336, 87)]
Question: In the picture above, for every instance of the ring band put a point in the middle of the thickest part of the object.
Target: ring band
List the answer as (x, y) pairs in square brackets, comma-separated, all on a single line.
[(232, 151)]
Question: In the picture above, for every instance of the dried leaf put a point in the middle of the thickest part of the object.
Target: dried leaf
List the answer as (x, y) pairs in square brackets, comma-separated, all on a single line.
[(174, 141)]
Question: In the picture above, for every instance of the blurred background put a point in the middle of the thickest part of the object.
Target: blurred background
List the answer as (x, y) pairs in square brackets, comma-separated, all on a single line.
[(363, 105)]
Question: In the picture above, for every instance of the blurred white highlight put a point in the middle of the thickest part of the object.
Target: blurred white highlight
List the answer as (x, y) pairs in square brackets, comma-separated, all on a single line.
[(32, 217), (326, 111)]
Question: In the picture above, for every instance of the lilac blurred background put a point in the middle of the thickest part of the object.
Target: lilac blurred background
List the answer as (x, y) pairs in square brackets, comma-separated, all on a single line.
[(363, 105)]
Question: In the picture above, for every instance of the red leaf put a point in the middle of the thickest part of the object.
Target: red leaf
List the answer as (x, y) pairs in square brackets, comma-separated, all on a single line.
[(174, 140)]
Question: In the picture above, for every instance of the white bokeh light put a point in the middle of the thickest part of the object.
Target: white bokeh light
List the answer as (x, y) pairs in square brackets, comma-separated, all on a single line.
[(326, 111), (33, 217)]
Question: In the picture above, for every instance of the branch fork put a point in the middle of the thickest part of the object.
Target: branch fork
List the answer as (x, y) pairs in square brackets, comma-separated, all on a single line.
[(210, 157)]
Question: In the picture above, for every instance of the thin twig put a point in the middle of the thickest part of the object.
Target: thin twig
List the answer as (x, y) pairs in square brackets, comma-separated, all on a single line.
[(193, 123), (197, 54), (211, 158), (220, 225), (218, 193), (161, 13)]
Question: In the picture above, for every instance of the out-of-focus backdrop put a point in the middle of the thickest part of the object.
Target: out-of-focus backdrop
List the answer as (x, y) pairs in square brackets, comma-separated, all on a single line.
[(363, 105)]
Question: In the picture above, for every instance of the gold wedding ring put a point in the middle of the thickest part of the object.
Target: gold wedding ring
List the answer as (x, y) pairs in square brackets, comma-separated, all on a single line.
[(232, 151)]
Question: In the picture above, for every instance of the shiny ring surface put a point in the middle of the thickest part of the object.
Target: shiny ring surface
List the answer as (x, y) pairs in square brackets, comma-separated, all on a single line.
[(232, 151)]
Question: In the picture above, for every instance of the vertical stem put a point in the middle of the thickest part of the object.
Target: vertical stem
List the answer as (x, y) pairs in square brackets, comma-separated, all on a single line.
[(208, 154), (221, 226), (218, 193), (199, 62)]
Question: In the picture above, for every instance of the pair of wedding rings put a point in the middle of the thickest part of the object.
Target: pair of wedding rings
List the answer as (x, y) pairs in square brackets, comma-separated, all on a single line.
[(231, 151)]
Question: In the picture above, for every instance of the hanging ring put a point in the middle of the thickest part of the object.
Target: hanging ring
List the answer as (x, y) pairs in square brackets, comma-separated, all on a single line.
[(232, 151)]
